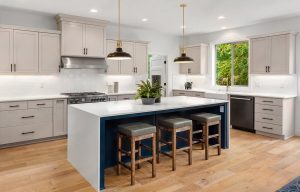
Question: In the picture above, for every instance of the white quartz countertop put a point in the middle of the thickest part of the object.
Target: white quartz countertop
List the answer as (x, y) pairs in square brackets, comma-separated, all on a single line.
[(255, 94), (30, 98), (115, 108), (121, 93)]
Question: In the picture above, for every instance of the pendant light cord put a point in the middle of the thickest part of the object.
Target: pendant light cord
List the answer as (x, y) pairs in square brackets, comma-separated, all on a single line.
[(183, 26), (119, 25)]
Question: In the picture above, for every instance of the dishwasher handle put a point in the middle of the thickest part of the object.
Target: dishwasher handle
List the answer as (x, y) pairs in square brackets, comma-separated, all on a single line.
[(241, 98)]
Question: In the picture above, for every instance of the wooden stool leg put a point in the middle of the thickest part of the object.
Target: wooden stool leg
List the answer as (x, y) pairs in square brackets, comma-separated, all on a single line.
[(159, 144), (174, 149), (153, 155), (203, 136), (206, 141), (219, 138), (139, 153), (132, 160), (119, 154), (190, 145)]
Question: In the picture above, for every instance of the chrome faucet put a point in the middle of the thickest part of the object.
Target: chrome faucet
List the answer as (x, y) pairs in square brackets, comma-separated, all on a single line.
[(226, 80)]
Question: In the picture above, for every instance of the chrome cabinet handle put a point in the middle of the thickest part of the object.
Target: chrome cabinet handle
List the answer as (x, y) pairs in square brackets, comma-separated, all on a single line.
[(26, 133), (40, 104), (28, 117)]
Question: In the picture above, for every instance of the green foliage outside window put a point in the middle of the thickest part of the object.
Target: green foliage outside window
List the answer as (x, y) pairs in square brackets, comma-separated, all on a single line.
[(232, 64)]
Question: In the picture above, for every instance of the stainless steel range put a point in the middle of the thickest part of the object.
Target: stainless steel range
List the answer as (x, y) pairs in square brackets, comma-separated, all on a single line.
[(86, 97)]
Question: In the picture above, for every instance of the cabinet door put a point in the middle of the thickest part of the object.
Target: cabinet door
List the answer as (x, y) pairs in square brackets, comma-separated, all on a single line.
[(194, 53), (94, 41), (6, 50), (72, 39), (260, 55), (49, 53), (113, 66), (141, 58), (60, 117), (26, 50), (279, 54), (184, 68), (125, 97), (127, 66)]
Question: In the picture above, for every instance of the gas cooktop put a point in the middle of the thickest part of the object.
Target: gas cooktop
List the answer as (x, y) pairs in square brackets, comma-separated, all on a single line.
[(86, 97)]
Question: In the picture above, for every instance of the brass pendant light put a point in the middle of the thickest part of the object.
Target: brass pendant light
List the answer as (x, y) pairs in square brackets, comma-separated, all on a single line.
[(119, 54), (183, 58)]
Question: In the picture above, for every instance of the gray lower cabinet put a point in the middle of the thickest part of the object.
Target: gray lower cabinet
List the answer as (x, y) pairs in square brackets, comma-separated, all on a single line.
[(188, 93), (121, 97), (30, 120), (275, 117), (59, 117)]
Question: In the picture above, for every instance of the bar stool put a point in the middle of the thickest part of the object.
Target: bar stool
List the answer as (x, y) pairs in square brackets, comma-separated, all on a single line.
[(174, 125), (206, 120), (136, 132)]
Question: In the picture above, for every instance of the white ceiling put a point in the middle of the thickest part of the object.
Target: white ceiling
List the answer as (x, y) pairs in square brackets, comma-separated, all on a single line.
[(165, 15)]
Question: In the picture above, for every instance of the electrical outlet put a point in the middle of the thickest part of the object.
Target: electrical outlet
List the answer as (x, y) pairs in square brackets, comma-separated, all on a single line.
[(221, 109)]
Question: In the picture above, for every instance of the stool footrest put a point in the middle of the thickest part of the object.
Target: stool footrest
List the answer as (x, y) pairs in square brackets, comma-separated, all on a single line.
[(183, 148), (214, 146), (198, 131), (181, 138), (213, 136)]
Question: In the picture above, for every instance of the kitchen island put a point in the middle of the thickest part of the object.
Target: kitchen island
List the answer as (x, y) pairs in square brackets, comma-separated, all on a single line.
[(92, 129)]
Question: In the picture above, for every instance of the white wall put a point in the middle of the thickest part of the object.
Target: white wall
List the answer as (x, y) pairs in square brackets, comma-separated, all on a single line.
[(258, 83), (80, 80)]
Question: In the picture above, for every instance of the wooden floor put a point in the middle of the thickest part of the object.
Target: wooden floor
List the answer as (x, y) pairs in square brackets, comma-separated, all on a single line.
[(253, 163)]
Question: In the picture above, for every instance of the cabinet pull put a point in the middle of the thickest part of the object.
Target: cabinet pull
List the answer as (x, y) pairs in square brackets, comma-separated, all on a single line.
[(133, 69), (269, 69), (40, 104), (136, 69), (59, 101), (28, 117), (15, 66), (267, 109), (189, 70), (86, 51), (265, 118), (265, 101), (126, 98), (11, 68), (14, 106), (267, 128), (266, 69), (26, 133)]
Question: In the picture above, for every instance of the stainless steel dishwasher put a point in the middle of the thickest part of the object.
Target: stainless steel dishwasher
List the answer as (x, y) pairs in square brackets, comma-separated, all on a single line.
[(242, 112)]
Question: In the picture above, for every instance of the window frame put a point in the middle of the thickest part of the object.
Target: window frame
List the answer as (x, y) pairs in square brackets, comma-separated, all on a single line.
[(232, 63)]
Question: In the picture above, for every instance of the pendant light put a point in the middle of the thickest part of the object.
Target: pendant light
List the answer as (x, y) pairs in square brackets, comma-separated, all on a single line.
[(183, 58), (119, 54)]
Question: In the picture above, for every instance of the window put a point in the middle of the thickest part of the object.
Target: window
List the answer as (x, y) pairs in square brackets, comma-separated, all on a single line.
[(232, 64)]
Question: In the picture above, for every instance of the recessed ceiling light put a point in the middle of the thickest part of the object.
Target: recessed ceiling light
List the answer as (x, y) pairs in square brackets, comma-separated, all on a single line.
[(94, 11), (221, 17), (223, 28), (144, 19)]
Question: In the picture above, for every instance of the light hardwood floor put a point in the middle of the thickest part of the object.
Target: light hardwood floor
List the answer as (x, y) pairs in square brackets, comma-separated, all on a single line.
[(253, 163)]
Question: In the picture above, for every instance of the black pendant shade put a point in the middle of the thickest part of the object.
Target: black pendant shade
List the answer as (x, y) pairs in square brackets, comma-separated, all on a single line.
[(119, 54), (183, 59)]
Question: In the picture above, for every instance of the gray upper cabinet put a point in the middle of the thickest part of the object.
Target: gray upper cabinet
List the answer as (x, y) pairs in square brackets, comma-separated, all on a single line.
[(200, 55), (273, 54), (138, 65), (6, 50), (82, 37)]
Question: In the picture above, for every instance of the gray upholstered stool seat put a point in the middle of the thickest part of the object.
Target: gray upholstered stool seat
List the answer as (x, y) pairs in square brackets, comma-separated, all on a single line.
[(206, 117), (174, 122), (136, 129)]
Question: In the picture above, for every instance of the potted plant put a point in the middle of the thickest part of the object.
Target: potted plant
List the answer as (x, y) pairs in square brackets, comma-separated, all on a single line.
[(148, 92)]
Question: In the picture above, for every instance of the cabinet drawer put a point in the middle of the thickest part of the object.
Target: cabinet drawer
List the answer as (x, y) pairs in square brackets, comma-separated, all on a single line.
[(268, 109), (40, 104), (268, 128), (25, 133), (268, 101), (113, 98), (126, 97), (267, 118), (25, 117), (197, 94), (179, 93), (13, 106)]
